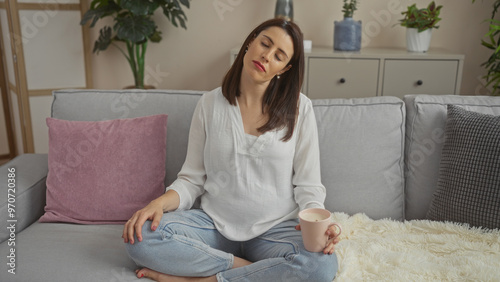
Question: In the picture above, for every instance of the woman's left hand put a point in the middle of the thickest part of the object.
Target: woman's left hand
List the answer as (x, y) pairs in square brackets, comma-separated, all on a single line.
[(333, 238)]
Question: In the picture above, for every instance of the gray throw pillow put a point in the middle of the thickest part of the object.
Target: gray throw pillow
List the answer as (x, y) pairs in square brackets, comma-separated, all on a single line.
[(469, 177)]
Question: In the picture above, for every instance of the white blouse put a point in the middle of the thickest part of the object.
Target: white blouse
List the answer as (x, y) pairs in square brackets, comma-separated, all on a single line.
[(248, 184)]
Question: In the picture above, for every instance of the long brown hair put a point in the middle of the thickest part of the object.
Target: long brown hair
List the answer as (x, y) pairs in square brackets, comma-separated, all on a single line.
[(282, 95)]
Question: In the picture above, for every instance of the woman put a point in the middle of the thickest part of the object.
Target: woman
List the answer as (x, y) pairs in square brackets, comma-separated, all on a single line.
[(253, 157)]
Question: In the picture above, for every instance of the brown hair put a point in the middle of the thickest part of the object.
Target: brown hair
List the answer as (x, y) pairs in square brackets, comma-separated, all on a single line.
[(282, 95)]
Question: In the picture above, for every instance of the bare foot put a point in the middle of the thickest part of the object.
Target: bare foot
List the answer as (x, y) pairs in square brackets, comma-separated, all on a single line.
[(161, 277)]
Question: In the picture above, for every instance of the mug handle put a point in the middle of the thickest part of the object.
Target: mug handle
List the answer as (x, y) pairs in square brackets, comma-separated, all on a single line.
[(339, 228)]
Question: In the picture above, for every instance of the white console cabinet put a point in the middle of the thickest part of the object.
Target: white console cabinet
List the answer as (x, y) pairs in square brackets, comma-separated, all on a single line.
[(379, 72)]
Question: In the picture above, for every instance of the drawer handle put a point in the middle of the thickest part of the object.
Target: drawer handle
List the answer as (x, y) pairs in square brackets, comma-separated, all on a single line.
[(342, 80), (420, 82)]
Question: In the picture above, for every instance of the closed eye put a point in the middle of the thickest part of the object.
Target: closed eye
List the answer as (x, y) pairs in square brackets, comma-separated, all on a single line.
[(279, 49)]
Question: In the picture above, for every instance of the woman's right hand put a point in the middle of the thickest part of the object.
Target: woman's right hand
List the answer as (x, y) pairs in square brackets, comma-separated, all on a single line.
[(153, 211)]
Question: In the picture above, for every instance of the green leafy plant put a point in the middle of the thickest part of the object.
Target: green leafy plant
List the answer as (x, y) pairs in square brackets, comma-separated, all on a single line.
[(492, 42), (422, 19), (349, 7), (133, 26)]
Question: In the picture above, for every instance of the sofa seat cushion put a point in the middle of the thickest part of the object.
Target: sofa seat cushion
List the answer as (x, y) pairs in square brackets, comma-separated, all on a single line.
[(361, 150), (52, 252), (425, 127), (469, 177)]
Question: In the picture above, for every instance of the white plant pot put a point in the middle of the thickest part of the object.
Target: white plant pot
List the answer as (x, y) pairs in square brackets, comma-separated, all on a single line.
[(418, 41)]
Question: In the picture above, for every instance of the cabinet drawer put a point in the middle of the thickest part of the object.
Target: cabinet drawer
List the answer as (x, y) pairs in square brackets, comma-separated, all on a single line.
[(402, 77), (342, 78)]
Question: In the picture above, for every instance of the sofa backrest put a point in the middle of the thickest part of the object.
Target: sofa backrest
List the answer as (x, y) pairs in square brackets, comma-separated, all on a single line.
[(361, 146), (361, 140), (425, 135), (96, 105)]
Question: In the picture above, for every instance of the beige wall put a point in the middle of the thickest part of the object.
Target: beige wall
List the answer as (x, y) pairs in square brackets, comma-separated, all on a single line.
[(198, 57)]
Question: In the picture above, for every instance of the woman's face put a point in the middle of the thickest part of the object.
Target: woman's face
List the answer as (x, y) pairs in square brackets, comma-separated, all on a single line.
[(268, 54)]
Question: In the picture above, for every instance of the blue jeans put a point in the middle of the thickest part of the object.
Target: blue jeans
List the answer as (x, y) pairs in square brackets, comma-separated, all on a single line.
[(186, 243)]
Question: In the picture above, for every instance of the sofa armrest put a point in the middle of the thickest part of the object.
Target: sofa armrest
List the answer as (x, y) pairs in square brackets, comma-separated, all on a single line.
[(22, 192)]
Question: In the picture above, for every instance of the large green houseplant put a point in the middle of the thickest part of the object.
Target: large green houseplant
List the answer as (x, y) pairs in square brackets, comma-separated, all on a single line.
[(133, 26), (492, 42)]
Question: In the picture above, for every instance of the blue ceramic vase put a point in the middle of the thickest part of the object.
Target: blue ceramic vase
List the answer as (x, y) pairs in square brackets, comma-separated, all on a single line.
[(347, 35)]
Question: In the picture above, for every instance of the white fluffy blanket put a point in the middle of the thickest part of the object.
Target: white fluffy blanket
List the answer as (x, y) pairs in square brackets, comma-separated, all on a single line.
[(418, 250)]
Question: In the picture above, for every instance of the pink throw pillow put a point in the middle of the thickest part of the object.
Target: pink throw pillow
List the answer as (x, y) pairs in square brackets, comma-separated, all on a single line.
[(102, 172)]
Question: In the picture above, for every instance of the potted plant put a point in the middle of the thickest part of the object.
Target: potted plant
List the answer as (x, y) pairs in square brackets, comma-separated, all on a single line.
[(133, 26), (347, 33), (492, 65), (419, 24)]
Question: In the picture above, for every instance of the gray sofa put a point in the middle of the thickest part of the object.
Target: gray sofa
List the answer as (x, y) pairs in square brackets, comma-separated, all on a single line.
[(379, 156)]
